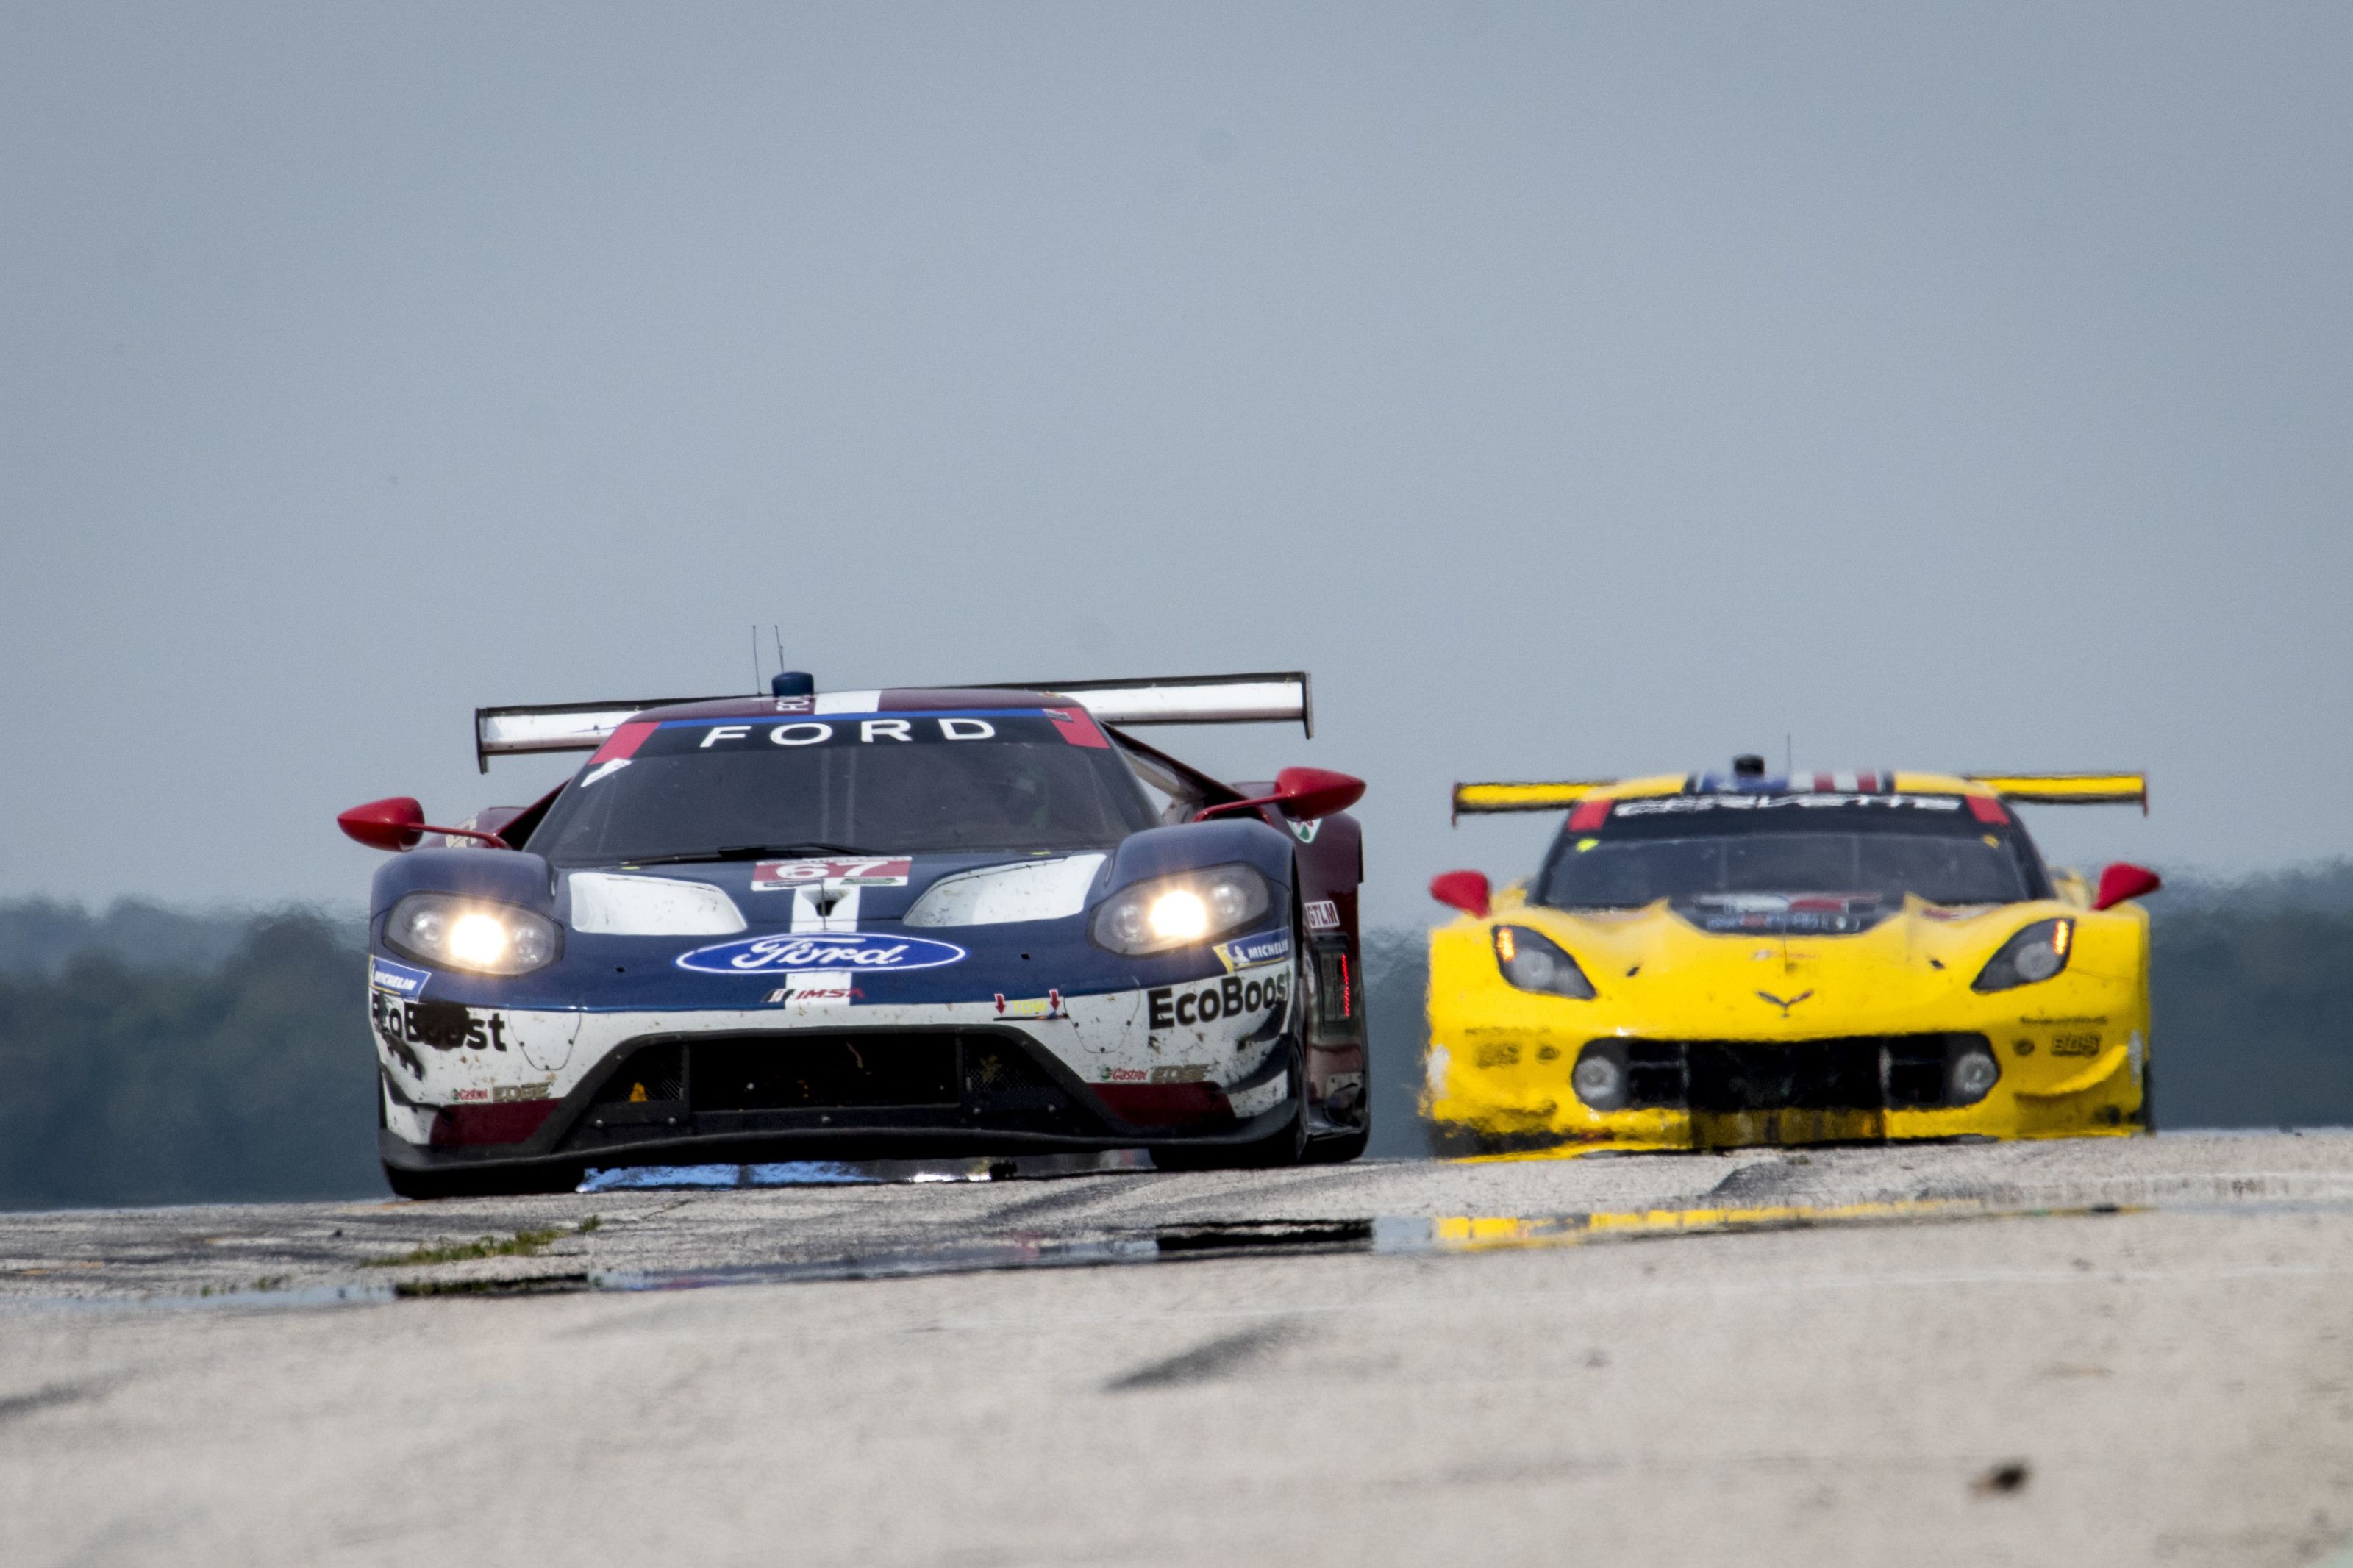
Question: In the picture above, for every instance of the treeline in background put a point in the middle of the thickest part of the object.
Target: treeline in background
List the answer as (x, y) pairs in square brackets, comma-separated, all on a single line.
[(153, 1056)]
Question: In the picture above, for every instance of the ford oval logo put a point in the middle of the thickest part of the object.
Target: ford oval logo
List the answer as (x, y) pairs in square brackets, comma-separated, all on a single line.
[(843, 952)]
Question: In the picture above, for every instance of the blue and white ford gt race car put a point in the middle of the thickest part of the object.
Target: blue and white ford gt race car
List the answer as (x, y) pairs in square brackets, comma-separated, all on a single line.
[(866, 924)]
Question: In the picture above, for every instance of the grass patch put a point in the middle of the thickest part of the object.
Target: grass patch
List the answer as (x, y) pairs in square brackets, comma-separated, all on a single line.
[(521, 1243)]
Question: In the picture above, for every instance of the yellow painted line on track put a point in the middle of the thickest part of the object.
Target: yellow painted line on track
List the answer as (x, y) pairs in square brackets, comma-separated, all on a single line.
[(1468, 1233)]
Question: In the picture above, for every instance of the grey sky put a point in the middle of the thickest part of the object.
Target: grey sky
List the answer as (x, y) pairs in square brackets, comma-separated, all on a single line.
[(1572, 389)]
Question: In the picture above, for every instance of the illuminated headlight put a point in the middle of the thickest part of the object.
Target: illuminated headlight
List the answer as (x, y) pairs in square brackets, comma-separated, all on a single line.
[(470, 933), (1181, 910), (1533, 961), (2035, 953)]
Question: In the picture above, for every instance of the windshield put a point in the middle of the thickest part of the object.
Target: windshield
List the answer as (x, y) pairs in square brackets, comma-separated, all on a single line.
[(1830, 845), (889, 782)]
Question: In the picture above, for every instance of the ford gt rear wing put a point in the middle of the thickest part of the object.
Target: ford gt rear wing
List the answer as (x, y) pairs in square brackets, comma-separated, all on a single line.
[(1281, 697), (555, 727)]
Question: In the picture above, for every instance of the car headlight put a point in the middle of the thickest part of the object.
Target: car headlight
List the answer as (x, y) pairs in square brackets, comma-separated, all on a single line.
[(1533, 961), (472, 934), (1181, 910), (1970, 1076), (1599, 1075), (2035, 953)]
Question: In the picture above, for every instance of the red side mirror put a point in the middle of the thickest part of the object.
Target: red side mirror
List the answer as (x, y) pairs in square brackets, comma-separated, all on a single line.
[(1465, 891), (1302, 794), (1305, 793), (393, 823), (398, 823), (2125, 881)]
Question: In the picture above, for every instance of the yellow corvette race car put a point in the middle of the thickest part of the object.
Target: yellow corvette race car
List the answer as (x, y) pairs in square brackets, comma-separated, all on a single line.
[(1717, 959)]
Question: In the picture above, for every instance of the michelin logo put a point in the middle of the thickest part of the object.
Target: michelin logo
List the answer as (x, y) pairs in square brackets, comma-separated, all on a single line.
[(398, 978), (1267, 947)]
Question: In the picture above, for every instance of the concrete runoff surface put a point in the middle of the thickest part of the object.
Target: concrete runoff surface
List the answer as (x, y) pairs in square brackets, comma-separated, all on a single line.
[(2127, 1352)]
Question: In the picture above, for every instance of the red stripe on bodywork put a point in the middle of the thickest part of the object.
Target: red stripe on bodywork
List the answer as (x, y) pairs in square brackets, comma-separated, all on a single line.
[(1984, 808), (490, 1123), (1163, 1104), (1078, 727), (624, 742), (1588, 816)]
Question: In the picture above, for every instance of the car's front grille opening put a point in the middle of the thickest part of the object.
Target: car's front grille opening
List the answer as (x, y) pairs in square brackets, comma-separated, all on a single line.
[(1007, 1075), (1872, 1072), (1806, 1075), (1654, 1073), (1918, 1068), (786, 1080), (655, 1074), (811, 1072)]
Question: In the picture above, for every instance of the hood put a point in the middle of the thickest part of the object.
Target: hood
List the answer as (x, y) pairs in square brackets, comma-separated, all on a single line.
[(1779, 969), (789, 892)]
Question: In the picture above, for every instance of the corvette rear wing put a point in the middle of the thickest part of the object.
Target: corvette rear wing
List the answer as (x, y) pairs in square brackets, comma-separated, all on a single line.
[(2032, 789), (2069, 789), (1483, 799), (1276, 697)]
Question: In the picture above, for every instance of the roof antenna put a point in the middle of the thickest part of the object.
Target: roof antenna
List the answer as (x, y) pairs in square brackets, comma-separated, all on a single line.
[(756, 656), (778, 633)]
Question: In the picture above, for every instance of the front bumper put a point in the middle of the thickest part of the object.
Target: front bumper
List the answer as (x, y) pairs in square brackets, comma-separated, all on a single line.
[(1734, 1039), (748, 1096), (1783, 1092), (472, 1088)]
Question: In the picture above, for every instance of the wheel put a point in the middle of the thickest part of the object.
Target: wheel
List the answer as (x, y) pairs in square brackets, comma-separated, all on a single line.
[(1338, 1149), (1286, 1145)]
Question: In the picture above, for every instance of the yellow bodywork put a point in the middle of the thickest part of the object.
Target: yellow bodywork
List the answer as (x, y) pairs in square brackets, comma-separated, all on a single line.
[(2073, 1050)]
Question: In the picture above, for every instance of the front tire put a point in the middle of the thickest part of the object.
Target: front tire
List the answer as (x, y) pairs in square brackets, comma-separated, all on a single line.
[(1287, 1145), (1340, 1149), (424, 1185)]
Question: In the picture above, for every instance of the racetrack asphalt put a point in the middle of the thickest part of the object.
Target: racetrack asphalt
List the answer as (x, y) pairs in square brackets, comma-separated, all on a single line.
[(2115, 1350)]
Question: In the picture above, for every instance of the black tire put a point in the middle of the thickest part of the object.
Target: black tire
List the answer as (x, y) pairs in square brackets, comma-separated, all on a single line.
[(1287, 1145), (1340, 1149), (428, 1184)]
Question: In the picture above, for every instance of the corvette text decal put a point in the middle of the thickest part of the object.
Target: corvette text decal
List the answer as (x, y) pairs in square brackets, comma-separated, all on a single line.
[(1684, 804)]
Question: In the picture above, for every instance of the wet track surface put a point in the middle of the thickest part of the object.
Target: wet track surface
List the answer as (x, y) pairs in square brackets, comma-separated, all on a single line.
[(2108, 1351)]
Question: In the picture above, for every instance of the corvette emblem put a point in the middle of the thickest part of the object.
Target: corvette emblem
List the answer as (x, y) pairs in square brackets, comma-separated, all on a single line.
[(1785, 1006)]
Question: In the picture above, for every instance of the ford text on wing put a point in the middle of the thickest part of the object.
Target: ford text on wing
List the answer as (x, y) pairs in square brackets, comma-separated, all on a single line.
[(1719, 960), (947, 922)]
